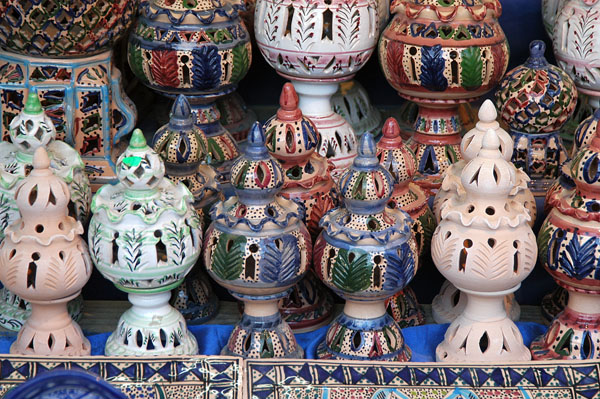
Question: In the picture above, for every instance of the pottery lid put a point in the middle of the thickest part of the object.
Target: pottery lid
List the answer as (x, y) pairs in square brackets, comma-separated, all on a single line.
[(536, 97), (448, 10), (366, 187), (140, 168), (394, 155), (586, 131), (471, 143), (31, 128)]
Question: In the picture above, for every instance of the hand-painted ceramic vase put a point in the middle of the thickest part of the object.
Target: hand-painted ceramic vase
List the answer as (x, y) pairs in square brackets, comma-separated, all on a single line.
[(29, 130), (366, 253), (145, 236), (258, 248), (183, 148), (450, 302), (536, 99), (352, 102), (550, 10), (577, 48), (44, 260), (292, 138), (399, 160), (568, 242), (485, 247), (317, 44), (197, 48), (441, 54)]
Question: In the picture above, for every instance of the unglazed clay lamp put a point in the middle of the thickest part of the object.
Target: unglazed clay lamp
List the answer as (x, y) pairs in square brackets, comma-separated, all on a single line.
[(439, 55), (400, 161), (145, 237), (197, 48), (258, 248), (292, 138), (569, 242), (29, 130), (450, 302), (318, 44), (352, 102), (64, 49), (485, 247), (366, 253), (183, 148), (44, 260), (536, 99)]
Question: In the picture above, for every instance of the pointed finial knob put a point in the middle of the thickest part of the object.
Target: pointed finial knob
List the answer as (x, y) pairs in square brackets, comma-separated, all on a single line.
[(366, 153), (255, 147), (288, 103), (181, 114), (391, 129), (137, 139), (536, 59), (491, 140), (33, 105), (41, 159), (487, 112)]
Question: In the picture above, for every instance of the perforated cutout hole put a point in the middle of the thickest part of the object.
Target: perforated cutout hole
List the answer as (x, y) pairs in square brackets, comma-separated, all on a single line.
[(39, 228), (51, 341), (31, 274), (61, 255), (455, 298), (248, 343), (593, 169), (491, 242), (470, 209), (12, 253), (33, 195), (163, 337), (484, 342), (139, 339), (51, 198), (475, 178), (356, 340), (490, 210), (587, 347), (35, 256)]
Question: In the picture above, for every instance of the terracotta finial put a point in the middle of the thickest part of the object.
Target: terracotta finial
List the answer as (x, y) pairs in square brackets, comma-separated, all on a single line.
[(41, 161), (288, 103), (487, 112), (391, 134)]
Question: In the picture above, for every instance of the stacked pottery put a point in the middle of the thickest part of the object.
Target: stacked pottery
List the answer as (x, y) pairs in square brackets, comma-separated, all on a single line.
[(485, 247), (258, 248), (183, 148), (317, 44), (292, 138), (29, 130), (568, 245), (366, 253), (439, 55), (536, 99), (197, 48), (145, 236), (44, 260), (352, 103), (449, 303), (65, 50), (400, 161)]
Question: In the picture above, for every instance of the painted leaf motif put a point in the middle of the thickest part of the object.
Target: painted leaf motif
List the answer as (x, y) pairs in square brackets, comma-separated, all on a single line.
[(472, 67), (165, 68), (132, 249), (543, 240), (136, 62), (322, 205), (348, 16), (394, 54), (241, 62), (206, 68), (281, 260), (351, 272), (400, 268), (228, 257), (500, 63), (432, 68), (581, 259), (176, 237)]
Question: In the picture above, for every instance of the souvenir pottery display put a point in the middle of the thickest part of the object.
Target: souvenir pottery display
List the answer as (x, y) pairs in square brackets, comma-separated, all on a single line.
[(536, 99), (292, 138), (439, 56), (44, 260), (258, 248), (317, 44), (236, 117), (352, 102), (568, 245), (197, 48), (29, 130), (145, 236), (183, 148), (64, 49), (366, 253), (449, 303), (396, 158), (550, 9), (485, 247)]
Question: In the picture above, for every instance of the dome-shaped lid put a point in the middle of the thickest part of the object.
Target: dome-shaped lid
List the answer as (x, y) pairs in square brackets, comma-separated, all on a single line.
[(586, 131), (394, 155), (256, 176), (366, 187), (536, 97), (31, 128), (471, 143), (140, 168), (449, 10)]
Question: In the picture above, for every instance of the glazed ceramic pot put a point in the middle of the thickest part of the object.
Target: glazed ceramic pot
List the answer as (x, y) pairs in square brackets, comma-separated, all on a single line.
[(550, 10), (439, 56), (200, 49), (29, 130), (485, 247), (568, 245), (236, 117), (292, 138), (352, 103), (44, 260), (536, 99), (258, 248), (576, 48), (366, 253), (318, 44), (145, 236)]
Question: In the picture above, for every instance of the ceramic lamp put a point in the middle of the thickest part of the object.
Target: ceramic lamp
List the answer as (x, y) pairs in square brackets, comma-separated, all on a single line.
[(550, 10), (200, 49), (352, 103), (366, 253), (258, 248), (292, 138), (399, 160), (236, 117), (145, 236), (29, 130), (44, 260), (317, 44), (439, 55), (183, 147)]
